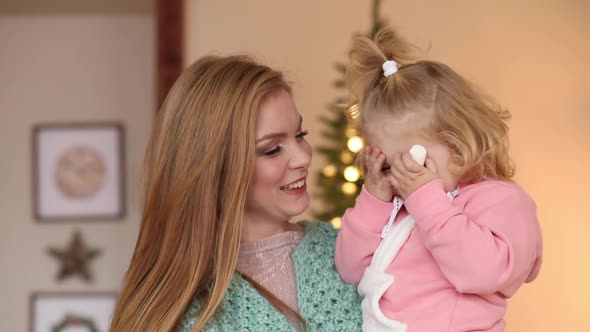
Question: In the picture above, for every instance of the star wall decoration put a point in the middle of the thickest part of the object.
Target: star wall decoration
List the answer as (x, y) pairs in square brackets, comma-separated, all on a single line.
[(75, 259)]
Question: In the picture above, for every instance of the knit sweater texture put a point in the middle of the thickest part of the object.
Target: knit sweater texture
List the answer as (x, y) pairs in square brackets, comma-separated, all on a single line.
[(326, 303)]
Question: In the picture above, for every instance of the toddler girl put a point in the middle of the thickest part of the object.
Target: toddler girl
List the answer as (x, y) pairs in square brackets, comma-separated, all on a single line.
[(439, 247)]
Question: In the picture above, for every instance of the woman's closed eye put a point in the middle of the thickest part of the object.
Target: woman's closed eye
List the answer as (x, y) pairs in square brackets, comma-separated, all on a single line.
[(301, 135), (276, 149), (272, 151)]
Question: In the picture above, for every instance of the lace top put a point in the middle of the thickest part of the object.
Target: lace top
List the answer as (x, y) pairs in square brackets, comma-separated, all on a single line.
[(269, 263)]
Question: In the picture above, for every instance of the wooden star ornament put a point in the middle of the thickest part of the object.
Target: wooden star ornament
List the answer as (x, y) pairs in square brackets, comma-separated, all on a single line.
[(74, 260)]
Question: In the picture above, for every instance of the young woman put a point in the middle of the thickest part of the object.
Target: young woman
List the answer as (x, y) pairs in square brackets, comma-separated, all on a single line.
[(226, 169)]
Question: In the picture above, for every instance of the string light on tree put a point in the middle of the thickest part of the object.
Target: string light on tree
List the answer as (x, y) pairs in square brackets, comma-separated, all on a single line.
[(346, 157), (349, 188), (336, 222), (350, 132), (330, 171), (338, 180), (352, 174), (355, 144), (353, 112)]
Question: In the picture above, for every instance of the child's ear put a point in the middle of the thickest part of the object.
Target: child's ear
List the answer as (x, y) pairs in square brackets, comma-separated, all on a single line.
[(459, 170)]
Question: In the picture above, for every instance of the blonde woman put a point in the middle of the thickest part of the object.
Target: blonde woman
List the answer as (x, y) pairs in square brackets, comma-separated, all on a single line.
[(225, 171)]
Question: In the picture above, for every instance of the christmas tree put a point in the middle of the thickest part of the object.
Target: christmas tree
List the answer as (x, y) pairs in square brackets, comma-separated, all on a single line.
[(340, 179)]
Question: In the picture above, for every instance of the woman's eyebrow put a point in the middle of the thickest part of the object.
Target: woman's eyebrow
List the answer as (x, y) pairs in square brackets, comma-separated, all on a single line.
[(271, 136), (277, 135)]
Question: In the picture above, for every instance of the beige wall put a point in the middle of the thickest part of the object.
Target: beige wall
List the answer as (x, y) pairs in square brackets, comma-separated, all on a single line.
[(531, 55), (67, 69)]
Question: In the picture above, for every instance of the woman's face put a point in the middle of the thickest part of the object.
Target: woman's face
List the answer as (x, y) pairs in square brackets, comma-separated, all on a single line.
[(279, 187)]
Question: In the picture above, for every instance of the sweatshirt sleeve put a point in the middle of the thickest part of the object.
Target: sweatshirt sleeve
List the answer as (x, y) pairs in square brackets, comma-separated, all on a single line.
[(491, 245), (360, 236)]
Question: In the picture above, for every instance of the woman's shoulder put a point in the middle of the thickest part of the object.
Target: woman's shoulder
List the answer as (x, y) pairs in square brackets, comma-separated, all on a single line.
[(242, 309), (192, 312), (327, 303), (319, 231), (319, 240), (190, 316)]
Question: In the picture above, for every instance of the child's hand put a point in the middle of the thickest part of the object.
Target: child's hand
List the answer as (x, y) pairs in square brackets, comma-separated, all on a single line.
[(407, 175), (376, 181)]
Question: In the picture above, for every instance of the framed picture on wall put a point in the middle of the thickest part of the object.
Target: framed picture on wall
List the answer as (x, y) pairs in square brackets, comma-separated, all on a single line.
[(78, 171), (61, 312)]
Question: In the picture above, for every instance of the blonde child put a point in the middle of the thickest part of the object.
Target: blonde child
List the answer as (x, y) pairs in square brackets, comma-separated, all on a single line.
[(439, 247)]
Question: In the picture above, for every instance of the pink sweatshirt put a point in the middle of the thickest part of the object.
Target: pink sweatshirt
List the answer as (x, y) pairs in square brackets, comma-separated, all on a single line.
[(461, 261)]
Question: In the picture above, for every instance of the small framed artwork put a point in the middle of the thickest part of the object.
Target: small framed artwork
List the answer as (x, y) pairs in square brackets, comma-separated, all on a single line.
[(60, 312), (78, 171)]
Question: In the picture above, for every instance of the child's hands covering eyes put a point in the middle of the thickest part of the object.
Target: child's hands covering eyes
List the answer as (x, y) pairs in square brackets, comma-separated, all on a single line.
[(377, 179), (407, 175)]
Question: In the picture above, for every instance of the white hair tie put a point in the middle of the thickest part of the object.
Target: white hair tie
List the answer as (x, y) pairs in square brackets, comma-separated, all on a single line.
[(389, 68)]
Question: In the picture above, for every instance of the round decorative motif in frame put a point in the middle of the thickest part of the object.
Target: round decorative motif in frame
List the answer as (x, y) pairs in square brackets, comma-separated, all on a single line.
[(80, 172), (77, 323)]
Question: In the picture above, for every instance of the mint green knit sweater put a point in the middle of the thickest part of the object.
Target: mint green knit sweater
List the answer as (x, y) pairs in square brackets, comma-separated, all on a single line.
[(325, 301)]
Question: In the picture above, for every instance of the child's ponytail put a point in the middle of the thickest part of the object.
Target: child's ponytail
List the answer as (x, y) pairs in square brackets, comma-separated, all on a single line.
[(367, 57)]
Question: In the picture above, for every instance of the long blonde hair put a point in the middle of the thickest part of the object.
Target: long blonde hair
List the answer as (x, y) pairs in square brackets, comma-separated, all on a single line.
[(198, 168), (466, 120)]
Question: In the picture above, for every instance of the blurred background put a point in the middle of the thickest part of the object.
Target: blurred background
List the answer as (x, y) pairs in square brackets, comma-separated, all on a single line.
[(108, 61)]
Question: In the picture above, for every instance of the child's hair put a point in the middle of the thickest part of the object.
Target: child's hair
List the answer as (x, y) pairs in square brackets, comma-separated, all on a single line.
[(466, 120)]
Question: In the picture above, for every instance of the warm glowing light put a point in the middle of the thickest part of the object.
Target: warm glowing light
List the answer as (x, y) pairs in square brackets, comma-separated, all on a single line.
[(350, 132), (353, 111), (355, 144), (351, 173), (330, 171), (348, 188), (336, 222), (346, 157)]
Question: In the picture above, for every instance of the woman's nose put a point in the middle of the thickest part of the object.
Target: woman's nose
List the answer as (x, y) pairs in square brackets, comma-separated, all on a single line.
[(301, 157)]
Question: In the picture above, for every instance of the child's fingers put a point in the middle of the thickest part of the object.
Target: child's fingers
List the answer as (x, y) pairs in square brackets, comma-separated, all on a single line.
[(398, 165), (371, 157), (367, 157), (374, 160), (430, 165), (367, 151), (394, 182), (396, 174), (376, 152), (377, 164), (410, 164)]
